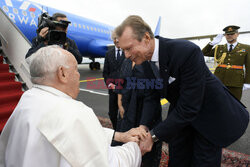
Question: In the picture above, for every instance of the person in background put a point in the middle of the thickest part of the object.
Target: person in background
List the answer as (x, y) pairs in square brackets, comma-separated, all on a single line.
[(231, 59), (203, 116), (111, 71), (42, 38), (139, 106), (50, 128)]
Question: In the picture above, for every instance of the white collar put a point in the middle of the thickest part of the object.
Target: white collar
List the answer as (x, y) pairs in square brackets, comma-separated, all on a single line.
[(234, 44), (116, 49), (155, 57), (52, 90)]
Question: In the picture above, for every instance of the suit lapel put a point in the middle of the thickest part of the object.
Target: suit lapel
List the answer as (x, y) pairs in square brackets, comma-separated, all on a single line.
[(148, 70), (163, 60), (114, 61), (119, 63), (112, 56), (225, 49), (236, 48)]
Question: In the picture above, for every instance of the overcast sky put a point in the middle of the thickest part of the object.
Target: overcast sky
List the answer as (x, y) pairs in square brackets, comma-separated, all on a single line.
[(180, 18)]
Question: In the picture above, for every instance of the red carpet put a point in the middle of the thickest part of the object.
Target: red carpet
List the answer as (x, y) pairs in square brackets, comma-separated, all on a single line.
[(10, 93), (229, 158)]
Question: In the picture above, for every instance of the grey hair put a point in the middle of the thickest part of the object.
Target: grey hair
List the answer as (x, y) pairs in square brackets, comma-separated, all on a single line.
[(45, 63), (138, 25)]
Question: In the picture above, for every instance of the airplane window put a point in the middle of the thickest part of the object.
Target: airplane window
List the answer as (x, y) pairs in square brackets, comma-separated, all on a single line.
[(101, 30), (75, 25), (32, 15), (24, 13), (91, 28), (88, 27), (15, 10), (95, 29), (5, 8), (83, 26), (79, 25), (98, 30)]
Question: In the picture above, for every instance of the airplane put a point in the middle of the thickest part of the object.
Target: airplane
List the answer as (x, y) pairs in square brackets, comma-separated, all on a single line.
[(92, 38)]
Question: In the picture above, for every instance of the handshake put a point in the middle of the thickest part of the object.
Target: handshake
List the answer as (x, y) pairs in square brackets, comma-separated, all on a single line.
[(140, 135)]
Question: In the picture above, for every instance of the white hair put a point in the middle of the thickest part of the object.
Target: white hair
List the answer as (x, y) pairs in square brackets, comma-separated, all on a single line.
[(45, 63)]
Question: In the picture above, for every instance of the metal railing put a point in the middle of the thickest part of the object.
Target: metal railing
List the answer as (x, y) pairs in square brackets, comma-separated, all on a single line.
[(15, 46)]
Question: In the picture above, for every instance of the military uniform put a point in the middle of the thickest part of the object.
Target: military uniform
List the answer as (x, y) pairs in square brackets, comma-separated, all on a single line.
[(230, 66)]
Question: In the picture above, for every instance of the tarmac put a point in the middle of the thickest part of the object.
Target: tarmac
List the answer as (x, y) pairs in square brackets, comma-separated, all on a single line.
[(95, 95)]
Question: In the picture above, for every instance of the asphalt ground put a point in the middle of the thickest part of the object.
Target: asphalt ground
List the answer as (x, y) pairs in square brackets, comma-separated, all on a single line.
[(94, 94)]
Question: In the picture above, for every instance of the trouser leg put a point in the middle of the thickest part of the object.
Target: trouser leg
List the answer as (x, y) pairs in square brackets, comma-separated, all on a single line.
[(181, 149), (205, 153), (190, 149), (113, 109)]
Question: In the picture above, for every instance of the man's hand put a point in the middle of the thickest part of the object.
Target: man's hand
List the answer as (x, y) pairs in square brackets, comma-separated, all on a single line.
[(146, 144), (44, 32), (144, 127), (125, 137), (134, 134), (111, 86), (216, 39), (140, 131)]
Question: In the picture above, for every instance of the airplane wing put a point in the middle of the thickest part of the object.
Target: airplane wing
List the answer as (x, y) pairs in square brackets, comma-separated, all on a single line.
[(208, 36)]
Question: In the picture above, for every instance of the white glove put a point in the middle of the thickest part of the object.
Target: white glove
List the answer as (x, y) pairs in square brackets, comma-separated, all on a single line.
[(246, 86), (216, 39)]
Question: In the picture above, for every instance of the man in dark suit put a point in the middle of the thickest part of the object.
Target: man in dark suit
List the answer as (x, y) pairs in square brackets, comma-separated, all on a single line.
[(203, 116), (111, 72)]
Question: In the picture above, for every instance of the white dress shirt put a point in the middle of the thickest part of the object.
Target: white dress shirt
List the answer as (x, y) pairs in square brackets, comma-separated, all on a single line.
[(234, 45), (49, 128), (155, 57), (116, 51)]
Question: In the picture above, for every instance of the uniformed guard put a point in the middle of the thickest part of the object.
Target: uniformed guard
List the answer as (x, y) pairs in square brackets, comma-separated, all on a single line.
[(232, 60)]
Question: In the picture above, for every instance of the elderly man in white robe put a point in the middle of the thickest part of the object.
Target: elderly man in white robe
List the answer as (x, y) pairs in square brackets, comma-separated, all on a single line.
[(49, 128)]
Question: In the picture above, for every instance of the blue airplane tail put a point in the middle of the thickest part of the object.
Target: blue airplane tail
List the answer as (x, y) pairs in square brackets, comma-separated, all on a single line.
[(158, 27)]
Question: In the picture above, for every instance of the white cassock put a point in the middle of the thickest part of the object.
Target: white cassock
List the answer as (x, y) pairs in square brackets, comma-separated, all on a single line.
[(50, 129)]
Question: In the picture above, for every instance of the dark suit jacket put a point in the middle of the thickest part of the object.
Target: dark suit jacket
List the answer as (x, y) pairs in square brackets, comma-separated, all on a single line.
[(111, 69), (197, 97), (38, 43), (142, 106)]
